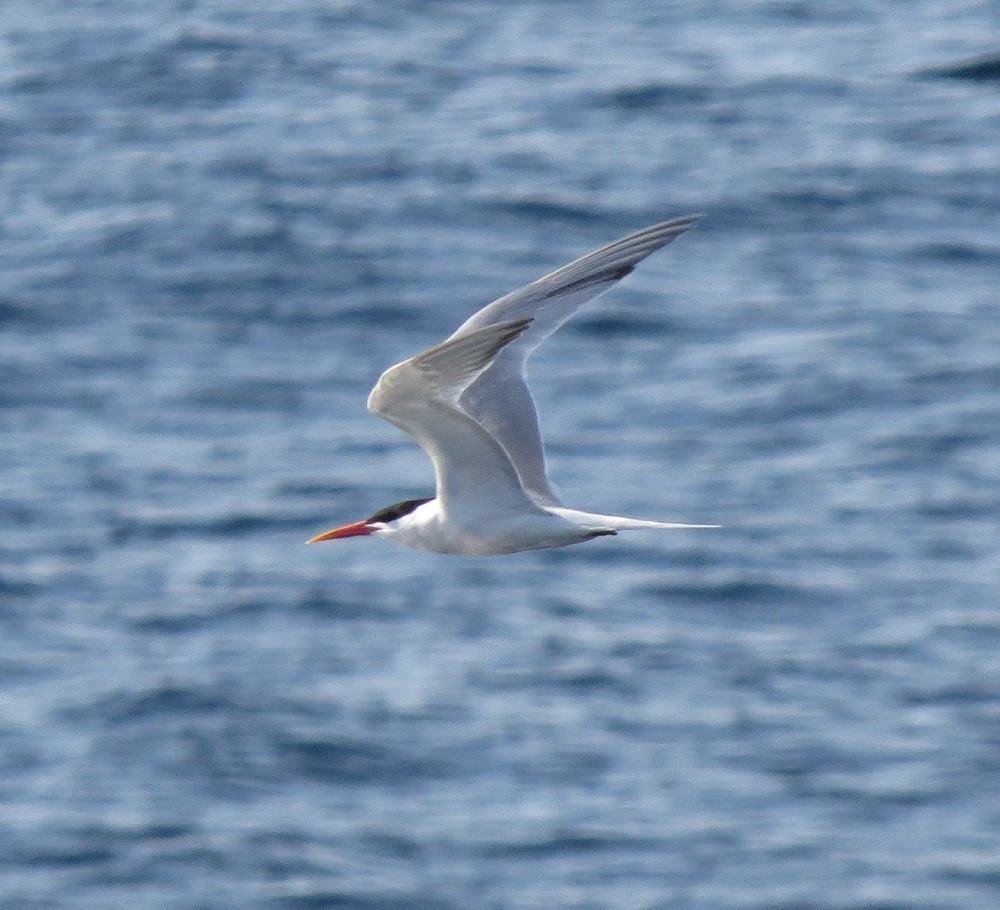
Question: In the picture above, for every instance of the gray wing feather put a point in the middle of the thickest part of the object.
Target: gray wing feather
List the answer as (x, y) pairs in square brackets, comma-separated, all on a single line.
[(498, 398), (420, 396), (453, 363)]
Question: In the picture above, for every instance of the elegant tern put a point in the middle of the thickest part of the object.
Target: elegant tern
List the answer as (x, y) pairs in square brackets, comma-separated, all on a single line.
[(465, 401)]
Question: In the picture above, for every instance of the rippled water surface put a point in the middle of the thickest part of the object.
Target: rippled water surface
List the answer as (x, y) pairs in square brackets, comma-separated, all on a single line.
[(220, 221)]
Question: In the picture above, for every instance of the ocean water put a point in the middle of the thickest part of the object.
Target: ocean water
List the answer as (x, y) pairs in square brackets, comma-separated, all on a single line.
[(221, 220)]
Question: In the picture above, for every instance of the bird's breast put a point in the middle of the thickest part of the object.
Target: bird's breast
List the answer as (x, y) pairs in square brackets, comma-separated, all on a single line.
[(486, 534)]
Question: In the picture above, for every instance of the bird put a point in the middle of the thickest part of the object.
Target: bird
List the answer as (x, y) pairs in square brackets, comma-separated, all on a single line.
[(467, 404)]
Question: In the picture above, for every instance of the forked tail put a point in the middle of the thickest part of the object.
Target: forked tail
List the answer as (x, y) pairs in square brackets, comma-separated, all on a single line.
[(618, 523)]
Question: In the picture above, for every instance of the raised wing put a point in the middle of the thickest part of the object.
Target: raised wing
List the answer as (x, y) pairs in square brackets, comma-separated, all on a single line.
[(420, 396), (498, 398)]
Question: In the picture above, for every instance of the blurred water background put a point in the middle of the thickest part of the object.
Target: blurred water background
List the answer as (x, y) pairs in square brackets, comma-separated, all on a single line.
[(221, 220)]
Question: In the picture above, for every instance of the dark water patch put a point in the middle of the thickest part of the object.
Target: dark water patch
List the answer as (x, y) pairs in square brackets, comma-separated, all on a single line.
[(358, 447), (337, 603), (985, 68), (958, 508), (166, 700), (255, 168), (102, 363), (968, 694), (921, 450), (541, 209), (523, 161), (948, 549), (972, 870), (958, 253), (247, 294), (314, 489), (348, 761), (11, 587), (204, 739), (589, 680), (877, 794), (436, 80), (770, 97), (21, 387), (651, 97), (158, 831), (798, 760), (734, 592), (650, 655), (262, 234), (565, 608), (236, 525), (68, 854), (382, 316), (181, 622), (376, 166), (393, 846), (249, 394), (582, 681), (284, 854), (565, 767), (948, 375), (820, 201), (567, 842), (625, 324), (19, 313), (101, 846), (182, 71), (325, 899)]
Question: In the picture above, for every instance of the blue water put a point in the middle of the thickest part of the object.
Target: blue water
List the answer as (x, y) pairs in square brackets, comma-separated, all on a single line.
[(220, 221)]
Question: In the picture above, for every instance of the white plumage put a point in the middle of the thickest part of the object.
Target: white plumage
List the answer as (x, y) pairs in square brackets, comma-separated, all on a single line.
[(466, 402)]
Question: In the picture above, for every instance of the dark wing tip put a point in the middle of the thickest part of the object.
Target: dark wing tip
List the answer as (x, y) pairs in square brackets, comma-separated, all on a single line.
[(605, 276)]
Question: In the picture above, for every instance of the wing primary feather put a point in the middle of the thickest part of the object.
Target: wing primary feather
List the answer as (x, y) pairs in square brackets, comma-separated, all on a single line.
[(498, 398), (462, 358), (615, 273)]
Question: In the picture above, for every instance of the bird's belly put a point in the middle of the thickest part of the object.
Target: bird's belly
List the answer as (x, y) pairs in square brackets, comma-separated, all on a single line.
[(481, 539)]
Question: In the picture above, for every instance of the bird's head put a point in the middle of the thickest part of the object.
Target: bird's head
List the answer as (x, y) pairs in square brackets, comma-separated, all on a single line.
[(381, 520)]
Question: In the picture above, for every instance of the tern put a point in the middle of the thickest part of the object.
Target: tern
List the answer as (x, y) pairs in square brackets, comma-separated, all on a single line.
[(466, 403)]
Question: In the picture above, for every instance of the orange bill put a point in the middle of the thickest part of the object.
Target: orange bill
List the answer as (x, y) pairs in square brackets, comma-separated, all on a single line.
[(358, 529)]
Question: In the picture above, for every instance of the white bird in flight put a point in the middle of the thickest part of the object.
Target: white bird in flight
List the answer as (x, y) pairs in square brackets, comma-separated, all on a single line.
[(466, 403)]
